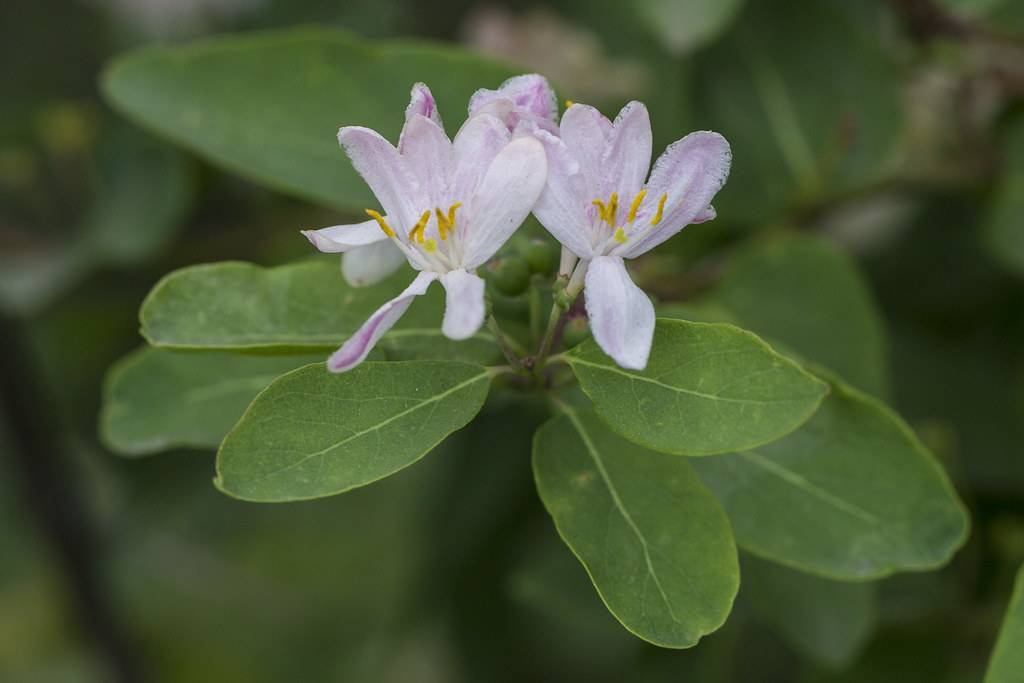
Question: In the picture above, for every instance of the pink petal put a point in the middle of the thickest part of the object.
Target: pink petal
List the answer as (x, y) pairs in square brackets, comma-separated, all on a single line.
[(585, 131), (627, 157), (356, 348), (504, 199), (479, 140), (562, 207), (690, 172), (621, 315), (464, 304), (428, 153), (341, 238), (365, 266), (386, 172), (421, 103), (528, 97)]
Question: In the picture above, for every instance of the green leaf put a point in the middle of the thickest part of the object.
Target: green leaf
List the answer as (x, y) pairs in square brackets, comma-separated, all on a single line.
[(1007, 663), (1005, 217), (707, 389), (808, 295), (268, 106), (827, 95), (685, 25), (312, 433), (155, 399), (828, 621), (655, 542), (303, 306), (852, 494)]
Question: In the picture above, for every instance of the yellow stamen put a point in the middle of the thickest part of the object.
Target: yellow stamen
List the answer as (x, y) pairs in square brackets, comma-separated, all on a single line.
[(451, 215), (620, 236), (635, 206), (602, 210), (613, 207), (381, 222), (446, 224), (431, 246), (661, 210), (417, 230), (569, 103)]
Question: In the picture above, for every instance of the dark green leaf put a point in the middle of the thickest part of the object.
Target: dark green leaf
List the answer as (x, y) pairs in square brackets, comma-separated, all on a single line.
[(654, 541), (1007, 663), (708, 388), (268, 106), (852, 494), (312, 433), (155, 399)]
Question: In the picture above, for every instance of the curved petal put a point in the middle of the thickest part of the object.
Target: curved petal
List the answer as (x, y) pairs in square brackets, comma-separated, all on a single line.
[(585, 132), (421, 102), (562, 207), (530, 94), (476, 144), (355, 349), (627, 157), (341, 238), (365, 266), (428, 153), (621, 315), (463, 304), (690, 173), (385, 171), (504, 199)]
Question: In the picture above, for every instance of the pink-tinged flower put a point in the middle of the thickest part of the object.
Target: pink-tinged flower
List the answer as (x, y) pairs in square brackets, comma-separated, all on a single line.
[(598, 206), (448, 206), (527, 98)]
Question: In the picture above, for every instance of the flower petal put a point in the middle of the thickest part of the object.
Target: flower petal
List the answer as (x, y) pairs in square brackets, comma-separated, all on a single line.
[(355, 349), (385, 171), (563, 206), (690, 172), (428, 153), (341, 238), (463, 305), (504, 199), (621, 315), (421, 103), (365, 266), (530, 94), (627, 157), (585, 131), (476, 144)]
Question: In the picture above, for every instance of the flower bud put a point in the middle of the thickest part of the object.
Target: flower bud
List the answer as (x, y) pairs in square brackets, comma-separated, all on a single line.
[(541, 255), (509, 275)]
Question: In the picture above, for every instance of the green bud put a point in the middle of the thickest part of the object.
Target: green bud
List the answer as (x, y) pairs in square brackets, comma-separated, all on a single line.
[(576, 331), (542, 256), (510, 275)]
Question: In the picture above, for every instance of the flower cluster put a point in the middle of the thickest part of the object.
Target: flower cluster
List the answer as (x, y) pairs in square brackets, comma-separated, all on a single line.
[(448, 205)]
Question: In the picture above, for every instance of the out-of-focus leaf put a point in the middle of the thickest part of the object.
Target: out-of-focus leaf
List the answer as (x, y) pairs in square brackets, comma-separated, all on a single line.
[(268, 106), (707, 389), (312, 433), (807, 294), (850, 495), (655, 542), (303, 306), (155, 399), (144, 191), (684, 25), (828, 621), (1005, 219), (1007, 663), (808, 99)]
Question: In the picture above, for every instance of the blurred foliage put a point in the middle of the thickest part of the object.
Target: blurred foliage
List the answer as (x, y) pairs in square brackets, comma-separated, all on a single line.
[(890, 130)]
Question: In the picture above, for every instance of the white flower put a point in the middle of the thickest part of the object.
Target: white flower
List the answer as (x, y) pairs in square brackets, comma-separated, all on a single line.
[(598, 206), (448, 206)]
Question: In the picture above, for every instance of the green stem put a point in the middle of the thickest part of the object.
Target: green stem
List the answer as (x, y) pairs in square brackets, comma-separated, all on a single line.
[(549, 336), (504, 342)]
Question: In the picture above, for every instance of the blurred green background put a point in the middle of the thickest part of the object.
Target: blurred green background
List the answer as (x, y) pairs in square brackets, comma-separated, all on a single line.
[(893, 130)]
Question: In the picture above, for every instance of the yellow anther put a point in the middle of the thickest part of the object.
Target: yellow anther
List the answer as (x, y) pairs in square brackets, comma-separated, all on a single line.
[(613, 207), (635, 206), (661, 210), (451, 215), (417, 230), (569, 103), (620, 236), (381, 222), (446, 224), (602, 210), (430, 246)]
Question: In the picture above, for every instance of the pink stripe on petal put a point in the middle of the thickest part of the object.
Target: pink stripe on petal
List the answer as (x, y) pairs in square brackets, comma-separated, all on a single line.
[(356, 348)]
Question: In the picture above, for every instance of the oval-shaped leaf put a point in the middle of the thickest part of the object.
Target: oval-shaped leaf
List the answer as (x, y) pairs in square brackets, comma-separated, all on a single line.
[(268, 106), (303, 306), (312, 433), (809, 295), (708, 388), (155, 399), (655, 542), (852, 494), (1007, 663)]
